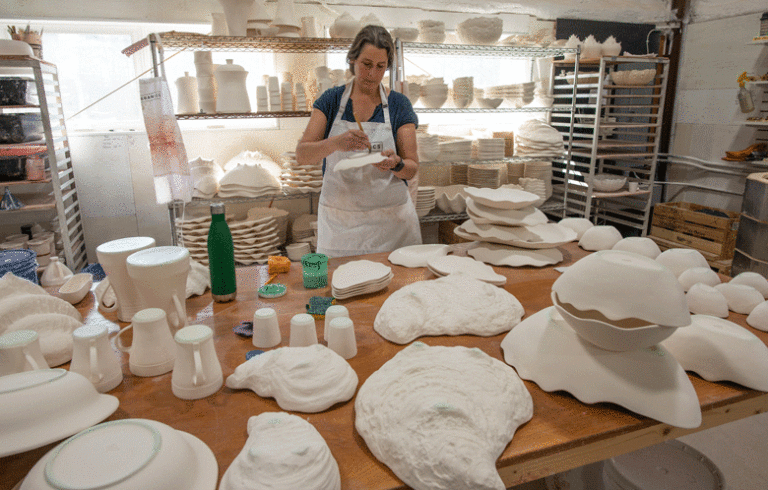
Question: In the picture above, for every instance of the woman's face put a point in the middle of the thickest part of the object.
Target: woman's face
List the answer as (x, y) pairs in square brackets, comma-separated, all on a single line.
[(371, 66)]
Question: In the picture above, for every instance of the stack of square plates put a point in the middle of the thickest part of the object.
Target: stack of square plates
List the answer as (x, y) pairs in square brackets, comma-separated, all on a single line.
[(455, 151), (517, 94), (21, 263), (541, 170), (490, 149), (515, 170), (297, 178), (359, 277), (254, 240), (286, 96), (459, 174), (301, 97), (262, 100), (484, 176), (273, 87), (425, 200)]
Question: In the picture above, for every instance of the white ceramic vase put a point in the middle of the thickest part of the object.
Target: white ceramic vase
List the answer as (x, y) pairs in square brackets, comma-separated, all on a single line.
[(232, 95), (187, 100), (236, 12)]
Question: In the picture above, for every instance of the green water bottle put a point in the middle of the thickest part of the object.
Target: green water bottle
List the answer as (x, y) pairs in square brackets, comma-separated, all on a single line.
[(221, 257)]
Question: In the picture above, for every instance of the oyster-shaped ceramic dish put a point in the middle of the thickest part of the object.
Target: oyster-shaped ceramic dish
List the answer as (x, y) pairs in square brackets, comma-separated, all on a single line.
[(741, 298), (752, 279), (706, 300), (11, 285), (501, 198), (719, 350), (495, 254), (17, 307), (681, 259), (545, 350), (598, 238), (579, 225), (456, 304), (639, 245), (623, 285), (451, 199), (696, 275), (759, 317), (448, 264), (549, 235), (417, 255), (301, 379), (76, 288), (440, 417), (485, 215), (282, 451)]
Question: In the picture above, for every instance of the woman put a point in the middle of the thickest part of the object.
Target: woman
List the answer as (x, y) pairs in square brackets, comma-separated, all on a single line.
[(369, 209)]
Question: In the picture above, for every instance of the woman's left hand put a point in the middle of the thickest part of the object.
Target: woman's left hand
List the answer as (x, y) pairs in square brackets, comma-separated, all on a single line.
[(390, 161)]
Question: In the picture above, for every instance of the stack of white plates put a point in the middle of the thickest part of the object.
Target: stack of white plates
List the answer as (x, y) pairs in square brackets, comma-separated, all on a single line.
[(447, 264), (301, 97), (304, 229), (490, 149), (245, 180), (254, 240), (262, 100), (541, 170), (535, 186), (463, 91), (537, 139), (517, 94), (484, 176), (359, 277), (286, 96), (459, 150), (297, 178), (425, 200), (427, 147), (273, 87), (459, 174)]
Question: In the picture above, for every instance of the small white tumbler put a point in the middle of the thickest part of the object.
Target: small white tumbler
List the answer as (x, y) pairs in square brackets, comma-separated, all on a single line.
[(341, 338), (266, 331)]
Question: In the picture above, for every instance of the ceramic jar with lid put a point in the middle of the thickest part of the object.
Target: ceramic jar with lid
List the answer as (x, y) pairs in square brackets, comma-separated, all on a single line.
[(232, 96)]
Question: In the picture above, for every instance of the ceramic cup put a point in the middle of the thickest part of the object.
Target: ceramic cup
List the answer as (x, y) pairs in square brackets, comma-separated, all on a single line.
[(296, 251), (93, 357), (633, 186), (266, 330), (20, 351), (112, 257), (152, 351), (197, 371), (333, 311), (308, 27), (160, 276), (303, 332), (315, 270), (341, 338)]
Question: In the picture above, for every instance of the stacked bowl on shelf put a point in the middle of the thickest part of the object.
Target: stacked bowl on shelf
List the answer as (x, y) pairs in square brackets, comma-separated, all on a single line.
[(434, 93), (286, 97), (206, 83), (463, 92), (480, 30), (431, 31), (537, 139), (425, 201), (518, 94)]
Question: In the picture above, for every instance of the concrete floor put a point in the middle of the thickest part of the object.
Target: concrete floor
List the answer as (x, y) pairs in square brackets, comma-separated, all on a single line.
[(739, 449)]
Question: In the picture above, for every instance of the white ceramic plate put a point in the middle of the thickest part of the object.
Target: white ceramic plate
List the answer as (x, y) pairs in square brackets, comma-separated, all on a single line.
[(358, 272), (545, 350), (357, 161), (502, 198), (548, 235), (486, 215), (449, 264), (417, 255), (496, 254)]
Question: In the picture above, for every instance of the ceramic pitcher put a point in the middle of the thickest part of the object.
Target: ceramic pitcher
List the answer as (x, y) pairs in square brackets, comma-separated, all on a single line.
[(112, 257)]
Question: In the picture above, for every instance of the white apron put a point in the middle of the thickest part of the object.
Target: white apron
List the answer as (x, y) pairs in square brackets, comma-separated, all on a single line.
[(365, 210)]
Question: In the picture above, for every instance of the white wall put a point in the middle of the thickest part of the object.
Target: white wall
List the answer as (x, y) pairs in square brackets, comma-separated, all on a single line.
[(707, 120)]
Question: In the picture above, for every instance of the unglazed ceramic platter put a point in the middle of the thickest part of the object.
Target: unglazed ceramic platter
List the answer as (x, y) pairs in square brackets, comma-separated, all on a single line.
[(492, 253), (502, 198), (486, 215), (545, 350), (449, 264), (417, 255), (357, 161), (719, 350), (549, 235), (358, 273)]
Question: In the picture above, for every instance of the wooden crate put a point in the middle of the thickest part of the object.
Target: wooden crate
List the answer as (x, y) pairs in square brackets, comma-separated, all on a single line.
[(685, 224)]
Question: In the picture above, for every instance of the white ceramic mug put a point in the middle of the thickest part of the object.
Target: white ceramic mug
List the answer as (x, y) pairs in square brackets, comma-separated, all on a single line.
[(112, 257), (303, 332), (341, 338), (94, 358), (152, 351), (160, 277), (333, 311), (266, 330), (20, 351), (197, 371)]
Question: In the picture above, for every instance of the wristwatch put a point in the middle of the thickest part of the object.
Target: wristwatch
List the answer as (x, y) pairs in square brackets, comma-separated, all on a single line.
[(400, 165)]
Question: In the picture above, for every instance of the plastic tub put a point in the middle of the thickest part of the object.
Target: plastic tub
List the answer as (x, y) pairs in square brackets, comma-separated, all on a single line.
[(13, 168)]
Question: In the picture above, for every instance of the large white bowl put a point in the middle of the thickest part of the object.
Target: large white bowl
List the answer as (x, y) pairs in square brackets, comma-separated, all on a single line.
[(434, 101), (15, 48), (639, 245), (607, 335), (480, 30), (405, 34), (126, 455), (678, 260), (633, 77), (47, 405), (602, 237), (608, 182), (623, 286)]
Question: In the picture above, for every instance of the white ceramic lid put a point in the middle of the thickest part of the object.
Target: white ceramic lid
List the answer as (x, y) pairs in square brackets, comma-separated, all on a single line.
[(123, 245), (193, 334), (90, 331), (17, 338), (265, 313), (172, 259)]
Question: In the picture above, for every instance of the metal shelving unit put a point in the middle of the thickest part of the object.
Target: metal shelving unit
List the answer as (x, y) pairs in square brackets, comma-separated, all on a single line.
[(54, 199), (616, 130)]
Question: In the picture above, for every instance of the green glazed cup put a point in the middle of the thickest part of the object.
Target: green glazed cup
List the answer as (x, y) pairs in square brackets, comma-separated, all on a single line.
[(315, 270)]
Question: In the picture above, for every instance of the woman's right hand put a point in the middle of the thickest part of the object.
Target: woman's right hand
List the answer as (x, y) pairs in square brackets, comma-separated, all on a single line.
[(352, 140)]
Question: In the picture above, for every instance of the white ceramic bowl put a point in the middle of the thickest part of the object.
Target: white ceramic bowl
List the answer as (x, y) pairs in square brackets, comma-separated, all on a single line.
[(451, 199), (480, 30), (489, 103), (622, 286), (608, 182), (607, 335), (414, 92), (741, 298), (15, 48), (696, 275), (639, 245), (603, 237), (579, 225), (405, 34), (47, 405), (678, 260), (434, 101), (752, 279), (706, 300), (150, 455), (74, 290), (633, 77)]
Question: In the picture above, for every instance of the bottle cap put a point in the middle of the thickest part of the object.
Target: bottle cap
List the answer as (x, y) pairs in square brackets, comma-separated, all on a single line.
[(217, 208)]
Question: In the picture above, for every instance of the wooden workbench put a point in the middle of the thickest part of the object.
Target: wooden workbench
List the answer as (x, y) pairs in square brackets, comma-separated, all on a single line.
[(564, 433)]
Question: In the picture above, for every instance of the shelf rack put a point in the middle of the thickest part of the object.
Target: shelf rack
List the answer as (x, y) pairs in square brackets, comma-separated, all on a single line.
[(63, 197), (614, 129)]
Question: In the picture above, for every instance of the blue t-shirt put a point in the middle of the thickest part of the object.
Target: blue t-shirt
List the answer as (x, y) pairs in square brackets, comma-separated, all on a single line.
[(400, 110)]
